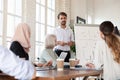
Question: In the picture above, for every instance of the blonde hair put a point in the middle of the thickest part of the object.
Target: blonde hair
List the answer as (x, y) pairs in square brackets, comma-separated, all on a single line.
[(114, 43), (50, 41)]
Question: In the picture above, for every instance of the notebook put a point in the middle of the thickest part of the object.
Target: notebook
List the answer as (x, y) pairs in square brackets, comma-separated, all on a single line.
[(45, 68)]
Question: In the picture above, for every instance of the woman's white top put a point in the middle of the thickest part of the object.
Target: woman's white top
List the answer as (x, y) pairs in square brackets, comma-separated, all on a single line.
[(103, 56), (14, 66)]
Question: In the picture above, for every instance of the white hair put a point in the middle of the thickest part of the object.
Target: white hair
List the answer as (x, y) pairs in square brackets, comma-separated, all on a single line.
[(50, 41)]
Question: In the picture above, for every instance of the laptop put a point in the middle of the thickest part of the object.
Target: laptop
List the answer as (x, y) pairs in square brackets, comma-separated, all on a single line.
[(63, 55)]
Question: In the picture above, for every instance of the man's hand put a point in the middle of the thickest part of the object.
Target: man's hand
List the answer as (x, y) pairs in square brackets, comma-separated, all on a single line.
[(61, 43), (70, 43)]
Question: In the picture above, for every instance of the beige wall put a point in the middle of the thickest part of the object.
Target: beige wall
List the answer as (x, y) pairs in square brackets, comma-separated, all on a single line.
[(74, 8), (98, 10), (63, 6), (78, 8), (107, 10)]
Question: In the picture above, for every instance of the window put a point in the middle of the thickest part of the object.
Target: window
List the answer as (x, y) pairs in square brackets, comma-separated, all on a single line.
[(89, 19), (14, 16), (45, 21), (50, 15), (1, 20), (40, 25)]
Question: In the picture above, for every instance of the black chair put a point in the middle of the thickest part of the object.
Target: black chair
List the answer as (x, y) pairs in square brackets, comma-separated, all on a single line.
[(116, 31)]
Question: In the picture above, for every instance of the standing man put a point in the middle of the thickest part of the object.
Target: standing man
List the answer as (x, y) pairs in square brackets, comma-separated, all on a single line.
[(64, 36)]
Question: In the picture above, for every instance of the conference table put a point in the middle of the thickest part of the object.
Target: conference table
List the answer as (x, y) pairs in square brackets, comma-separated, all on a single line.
[(54, 74), (4, 76), (67, 74)]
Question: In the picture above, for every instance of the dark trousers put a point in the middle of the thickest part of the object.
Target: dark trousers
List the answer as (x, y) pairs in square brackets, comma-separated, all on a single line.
[(58, 52)]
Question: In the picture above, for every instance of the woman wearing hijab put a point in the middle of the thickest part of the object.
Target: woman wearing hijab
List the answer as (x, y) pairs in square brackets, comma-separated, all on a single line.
[(21, 41)]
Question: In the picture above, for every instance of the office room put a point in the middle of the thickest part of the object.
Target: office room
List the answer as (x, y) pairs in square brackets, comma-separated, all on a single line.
[(41, 18)]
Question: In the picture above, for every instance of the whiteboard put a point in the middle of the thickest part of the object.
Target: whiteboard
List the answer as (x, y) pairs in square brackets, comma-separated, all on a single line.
[(86, 37)]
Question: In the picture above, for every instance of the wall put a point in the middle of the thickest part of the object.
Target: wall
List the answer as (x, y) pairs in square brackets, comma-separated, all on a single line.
[(73, 8), (78, 8), (107, 10), (96, 11), (83, 9), (63, 6)]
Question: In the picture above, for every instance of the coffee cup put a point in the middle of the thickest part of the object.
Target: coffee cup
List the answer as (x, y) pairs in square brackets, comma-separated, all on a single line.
[(72, 63), (60, 64)]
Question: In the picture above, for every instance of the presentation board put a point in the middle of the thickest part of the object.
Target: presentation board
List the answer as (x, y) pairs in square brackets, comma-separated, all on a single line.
[(86, 37)]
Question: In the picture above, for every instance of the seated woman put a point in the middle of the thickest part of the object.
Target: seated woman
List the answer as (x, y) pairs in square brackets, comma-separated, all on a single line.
[(107, 52), (21, 41), (48, 54)]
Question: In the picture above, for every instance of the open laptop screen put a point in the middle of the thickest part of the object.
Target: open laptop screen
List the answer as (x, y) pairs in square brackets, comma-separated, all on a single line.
[(63, 55)]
